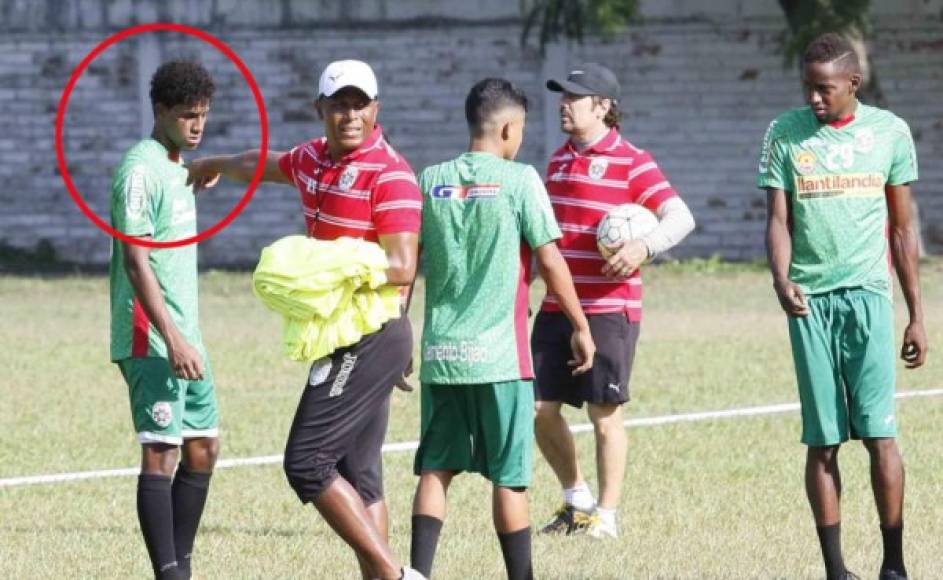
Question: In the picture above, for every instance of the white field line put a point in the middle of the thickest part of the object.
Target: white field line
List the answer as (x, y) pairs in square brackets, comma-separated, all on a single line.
[(412, 445)]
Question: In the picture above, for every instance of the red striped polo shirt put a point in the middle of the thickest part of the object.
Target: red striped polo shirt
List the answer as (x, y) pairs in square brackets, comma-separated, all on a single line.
[(371, 191), (583, 187)]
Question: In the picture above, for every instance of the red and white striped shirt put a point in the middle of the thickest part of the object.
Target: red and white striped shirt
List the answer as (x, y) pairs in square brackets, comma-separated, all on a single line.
[(370, 192), (584, 186)]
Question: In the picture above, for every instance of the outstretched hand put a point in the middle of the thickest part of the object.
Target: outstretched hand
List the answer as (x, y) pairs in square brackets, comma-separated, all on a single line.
[(201, 175)]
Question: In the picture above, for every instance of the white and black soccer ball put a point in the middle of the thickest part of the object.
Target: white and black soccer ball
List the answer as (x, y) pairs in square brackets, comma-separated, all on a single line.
[(629, 221)]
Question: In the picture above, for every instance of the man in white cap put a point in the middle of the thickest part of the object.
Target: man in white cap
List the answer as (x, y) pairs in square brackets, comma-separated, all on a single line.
[(352, 183)]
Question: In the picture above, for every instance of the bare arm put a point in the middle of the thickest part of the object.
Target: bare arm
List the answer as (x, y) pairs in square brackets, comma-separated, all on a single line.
[(905, 252), (240, 167), (185, 360), (556, 274), (779, 253), (402, 251)]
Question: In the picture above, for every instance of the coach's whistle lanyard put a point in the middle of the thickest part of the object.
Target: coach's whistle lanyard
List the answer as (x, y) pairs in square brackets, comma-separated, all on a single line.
[(318, 197)]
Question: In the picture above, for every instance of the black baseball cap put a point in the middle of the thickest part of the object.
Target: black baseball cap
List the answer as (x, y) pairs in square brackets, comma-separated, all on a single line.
[(589, 79)]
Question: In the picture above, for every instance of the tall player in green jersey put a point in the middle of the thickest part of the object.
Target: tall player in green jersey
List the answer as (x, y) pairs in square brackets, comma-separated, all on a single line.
[(155, 336), (838, 176), (483, 216)]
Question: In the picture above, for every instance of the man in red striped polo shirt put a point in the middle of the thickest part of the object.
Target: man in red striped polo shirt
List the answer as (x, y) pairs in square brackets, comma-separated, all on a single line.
[(352, 183), (595, 171)]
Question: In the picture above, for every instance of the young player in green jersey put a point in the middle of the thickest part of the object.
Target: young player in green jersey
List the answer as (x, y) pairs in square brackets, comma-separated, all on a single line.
[(838, 176), (155, 335), (483, 216)]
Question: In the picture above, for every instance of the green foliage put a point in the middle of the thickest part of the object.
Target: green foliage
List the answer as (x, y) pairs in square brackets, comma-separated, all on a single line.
[(808, 19), (573, 19), (715, 264)]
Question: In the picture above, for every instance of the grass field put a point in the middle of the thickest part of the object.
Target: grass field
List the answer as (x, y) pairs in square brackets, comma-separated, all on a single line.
[(711, 499)]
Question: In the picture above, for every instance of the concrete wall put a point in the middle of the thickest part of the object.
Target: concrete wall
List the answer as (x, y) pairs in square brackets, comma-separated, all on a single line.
[(702, 82)]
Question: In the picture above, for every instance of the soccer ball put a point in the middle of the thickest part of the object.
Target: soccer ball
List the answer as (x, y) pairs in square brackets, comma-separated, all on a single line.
[(626, 222)]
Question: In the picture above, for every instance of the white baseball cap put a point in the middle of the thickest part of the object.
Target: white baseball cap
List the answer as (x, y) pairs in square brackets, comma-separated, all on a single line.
[(347, 73)]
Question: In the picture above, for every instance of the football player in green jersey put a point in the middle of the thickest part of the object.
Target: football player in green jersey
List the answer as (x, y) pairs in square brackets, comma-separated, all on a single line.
[(837, 175), (484, 215), (155, 335)]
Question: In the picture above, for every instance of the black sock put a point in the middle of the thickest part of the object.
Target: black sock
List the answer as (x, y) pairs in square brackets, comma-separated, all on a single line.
[(893, 549), (515, 546), (425, 538), (156, 515), (830, 540), (189, 497)]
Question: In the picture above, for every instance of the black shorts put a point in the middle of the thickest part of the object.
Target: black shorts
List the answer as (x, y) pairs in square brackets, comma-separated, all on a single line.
[(606, 383), (341, 419)]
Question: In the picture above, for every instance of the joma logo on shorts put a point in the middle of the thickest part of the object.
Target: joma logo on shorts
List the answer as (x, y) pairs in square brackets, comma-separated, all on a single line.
[(337, 387)]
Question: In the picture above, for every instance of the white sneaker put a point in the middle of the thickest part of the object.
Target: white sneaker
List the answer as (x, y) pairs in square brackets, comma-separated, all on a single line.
[(600, 529), (410, 574)]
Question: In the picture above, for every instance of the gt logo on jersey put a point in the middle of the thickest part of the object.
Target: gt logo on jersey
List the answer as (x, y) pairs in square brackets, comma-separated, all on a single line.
[(465, 191), (447, 192)]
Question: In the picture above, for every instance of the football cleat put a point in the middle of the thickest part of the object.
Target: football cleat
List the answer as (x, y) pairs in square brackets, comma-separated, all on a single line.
[(569, 520)]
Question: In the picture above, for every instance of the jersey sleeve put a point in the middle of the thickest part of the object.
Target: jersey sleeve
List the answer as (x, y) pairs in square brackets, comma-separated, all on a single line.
[(904, 161), (135, 199), (287, 164), (538, 224), (397, 201), (772, 167), (648, 186), (424, 184)]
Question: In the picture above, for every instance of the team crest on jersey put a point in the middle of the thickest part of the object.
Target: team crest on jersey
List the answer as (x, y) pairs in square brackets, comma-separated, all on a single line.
[(805, 162), (597, 168), (347, 178), (864, 140), (162, 413)]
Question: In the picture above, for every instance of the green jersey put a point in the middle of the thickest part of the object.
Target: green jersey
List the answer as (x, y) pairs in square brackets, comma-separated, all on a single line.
[(834, 178), (481, 217), (150, 197)]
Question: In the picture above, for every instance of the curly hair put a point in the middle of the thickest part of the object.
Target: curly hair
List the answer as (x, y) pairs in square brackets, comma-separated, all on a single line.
[(614, 117), (181, 82), (832, 47)]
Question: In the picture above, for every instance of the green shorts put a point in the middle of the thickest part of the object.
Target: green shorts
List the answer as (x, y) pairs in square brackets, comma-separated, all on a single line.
[(845, 366), (486, 428), (167, 409)]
